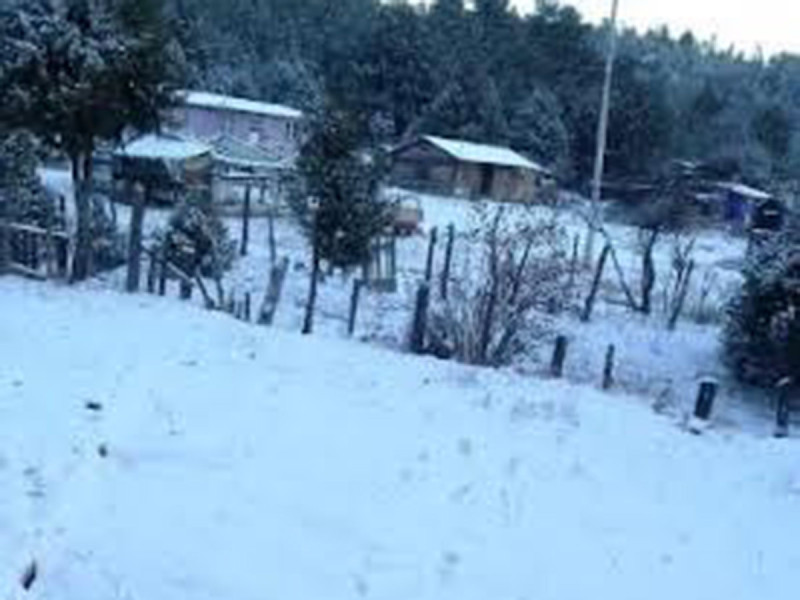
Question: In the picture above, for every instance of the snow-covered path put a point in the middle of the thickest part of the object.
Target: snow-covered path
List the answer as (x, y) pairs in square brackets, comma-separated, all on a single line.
[(248, 463)]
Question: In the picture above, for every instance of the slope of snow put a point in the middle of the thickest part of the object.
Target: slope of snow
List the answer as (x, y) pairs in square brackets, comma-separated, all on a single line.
[(252, 463)]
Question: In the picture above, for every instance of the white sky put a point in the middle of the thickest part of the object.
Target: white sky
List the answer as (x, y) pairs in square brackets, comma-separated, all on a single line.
[(774, 25)]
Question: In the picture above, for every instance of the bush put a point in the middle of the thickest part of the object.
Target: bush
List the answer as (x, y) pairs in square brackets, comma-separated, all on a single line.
[(762, 333), (22, 196), (498, 304), (197, 241)]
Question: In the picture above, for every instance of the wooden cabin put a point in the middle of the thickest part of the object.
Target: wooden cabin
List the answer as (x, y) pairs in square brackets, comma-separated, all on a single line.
[(468, 170)]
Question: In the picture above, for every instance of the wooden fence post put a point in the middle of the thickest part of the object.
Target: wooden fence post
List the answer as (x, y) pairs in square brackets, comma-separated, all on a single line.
[(598, 277), (393, 256), (162, 272), (420, 324), (62, 255), (608, 369), (573, 263), (273, 252), (186, 290), (272, 298), (448, 259), (152, 273), (559, 356), (248, 306), (50, 253), (431, 253), (704, 405), (245, 221), (783, 413), (354, 298)]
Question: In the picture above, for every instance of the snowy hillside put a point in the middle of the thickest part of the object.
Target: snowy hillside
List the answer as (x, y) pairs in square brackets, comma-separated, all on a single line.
[(152, 450)]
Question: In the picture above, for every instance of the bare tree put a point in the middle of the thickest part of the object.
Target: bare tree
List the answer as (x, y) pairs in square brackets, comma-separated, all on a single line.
[(498, 304)]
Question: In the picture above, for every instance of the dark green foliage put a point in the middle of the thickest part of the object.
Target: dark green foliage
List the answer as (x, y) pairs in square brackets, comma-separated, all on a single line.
[(336, 197), (538, 130), (22, 197), (481, 70), (80, 72), (773, 129), (762, 335)]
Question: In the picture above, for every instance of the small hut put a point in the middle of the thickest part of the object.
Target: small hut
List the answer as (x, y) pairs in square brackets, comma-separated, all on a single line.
[(165, 165), (466, 169)]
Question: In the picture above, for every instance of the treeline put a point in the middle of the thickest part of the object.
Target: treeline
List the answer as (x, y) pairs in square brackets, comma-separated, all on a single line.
[(485, 72)]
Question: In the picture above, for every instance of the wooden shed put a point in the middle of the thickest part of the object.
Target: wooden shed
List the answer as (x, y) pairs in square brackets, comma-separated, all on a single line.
[(466, 169), (167, 165)]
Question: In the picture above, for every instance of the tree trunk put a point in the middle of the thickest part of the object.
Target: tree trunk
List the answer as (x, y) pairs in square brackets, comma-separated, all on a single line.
[(82, 185), (138, 206), (308, 322)]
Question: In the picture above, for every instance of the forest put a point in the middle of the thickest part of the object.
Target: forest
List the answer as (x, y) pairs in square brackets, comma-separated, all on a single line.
[(485, 72)]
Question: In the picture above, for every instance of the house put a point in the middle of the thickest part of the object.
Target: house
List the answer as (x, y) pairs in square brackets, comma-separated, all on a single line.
[(466, 169), (274, 128), (254, 143)]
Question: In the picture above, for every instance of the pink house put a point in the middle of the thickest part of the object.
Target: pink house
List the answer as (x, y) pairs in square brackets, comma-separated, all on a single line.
[(273, 128)]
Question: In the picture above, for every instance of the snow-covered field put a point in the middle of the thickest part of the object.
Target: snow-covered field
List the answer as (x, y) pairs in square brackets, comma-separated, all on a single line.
[(254, 463), (660, 366)]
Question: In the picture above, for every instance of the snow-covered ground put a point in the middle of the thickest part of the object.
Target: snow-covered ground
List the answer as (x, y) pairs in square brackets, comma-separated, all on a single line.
[(243, 462), (660, 366)]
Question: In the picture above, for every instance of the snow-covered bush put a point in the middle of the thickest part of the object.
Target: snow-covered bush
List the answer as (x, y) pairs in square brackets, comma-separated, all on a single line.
[(196, 240), (762, 334), (500, 302)]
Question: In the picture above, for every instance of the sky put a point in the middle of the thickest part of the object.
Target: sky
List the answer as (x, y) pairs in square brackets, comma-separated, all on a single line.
[(772, 25)]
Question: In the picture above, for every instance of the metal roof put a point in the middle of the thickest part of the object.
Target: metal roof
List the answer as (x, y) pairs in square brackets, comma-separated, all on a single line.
[(483, 153), (231, 103)]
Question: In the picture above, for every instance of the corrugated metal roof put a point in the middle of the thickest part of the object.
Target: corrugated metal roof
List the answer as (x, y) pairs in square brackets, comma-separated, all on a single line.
[(231, 103), (483, 153)]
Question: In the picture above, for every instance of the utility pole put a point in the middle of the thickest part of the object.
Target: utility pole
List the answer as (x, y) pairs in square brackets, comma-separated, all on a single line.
[(602, 136)]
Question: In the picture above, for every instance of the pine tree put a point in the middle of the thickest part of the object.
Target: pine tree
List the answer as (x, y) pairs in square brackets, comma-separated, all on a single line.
[(337, 197), (762, 334), (81, 72), (22, 196)]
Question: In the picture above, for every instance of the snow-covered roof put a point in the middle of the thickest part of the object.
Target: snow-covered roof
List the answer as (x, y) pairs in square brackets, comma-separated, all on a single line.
[(167, 147), (483, 153), (745, 191), (230, 103)]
